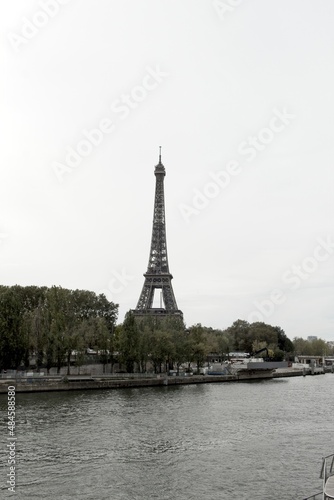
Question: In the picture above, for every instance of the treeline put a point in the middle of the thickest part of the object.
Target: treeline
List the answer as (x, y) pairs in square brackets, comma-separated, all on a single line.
[(50, 323), (316, 347), (166, 342)]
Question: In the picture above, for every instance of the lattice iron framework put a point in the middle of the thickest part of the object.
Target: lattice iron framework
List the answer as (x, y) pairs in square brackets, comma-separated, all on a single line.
[(157, 275)]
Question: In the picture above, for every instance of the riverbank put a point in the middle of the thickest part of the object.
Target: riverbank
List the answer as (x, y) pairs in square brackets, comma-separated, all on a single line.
[(86, 382), (89, 383)]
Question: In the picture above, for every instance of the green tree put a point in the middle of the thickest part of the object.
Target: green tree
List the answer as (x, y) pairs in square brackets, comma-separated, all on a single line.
[(58, 300), (283, 342), (199, 347), (13, 343), (162, 349), (144, 346), (316, 347), (262, 332), (103, 340), (224, 343), (39, 324), (239, 332), (129, 342)]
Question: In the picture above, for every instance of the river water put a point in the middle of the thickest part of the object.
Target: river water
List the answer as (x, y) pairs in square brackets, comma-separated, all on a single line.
[(259, 440)]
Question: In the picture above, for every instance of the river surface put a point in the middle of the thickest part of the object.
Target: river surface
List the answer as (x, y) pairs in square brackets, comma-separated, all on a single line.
[(259, 440)]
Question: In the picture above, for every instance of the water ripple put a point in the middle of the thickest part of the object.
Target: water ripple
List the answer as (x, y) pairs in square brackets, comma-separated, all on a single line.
[(258, 441)]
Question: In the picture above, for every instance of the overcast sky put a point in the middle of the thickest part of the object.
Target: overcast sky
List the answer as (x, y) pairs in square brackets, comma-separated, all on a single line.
[(239, 94)]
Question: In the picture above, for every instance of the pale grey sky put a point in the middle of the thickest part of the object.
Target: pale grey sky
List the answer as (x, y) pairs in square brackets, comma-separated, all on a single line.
[(239, 94)]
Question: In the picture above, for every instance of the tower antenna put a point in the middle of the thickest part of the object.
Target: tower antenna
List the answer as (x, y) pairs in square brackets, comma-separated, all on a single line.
[(159, 154)]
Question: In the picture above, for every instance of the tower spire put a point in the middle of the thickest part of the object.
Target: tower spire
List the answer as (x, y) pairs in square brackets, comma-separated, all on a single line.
[(157, 276)]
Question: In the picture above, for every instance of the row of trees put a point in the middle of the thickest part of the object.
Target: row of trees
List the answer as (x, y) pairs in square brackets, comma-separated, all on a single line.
[(317, 347), (161, 341), (50, 323)]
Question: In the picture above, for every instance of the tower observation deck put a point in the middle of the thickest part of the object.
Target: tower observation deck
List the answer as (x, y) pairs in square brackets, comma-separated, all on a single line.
[(157, 276)]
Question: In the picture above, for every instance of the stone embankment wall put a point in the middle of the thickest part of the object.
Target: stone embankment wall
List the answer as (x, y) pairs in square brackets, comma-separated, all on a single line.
[(35, 384), (88, 382)]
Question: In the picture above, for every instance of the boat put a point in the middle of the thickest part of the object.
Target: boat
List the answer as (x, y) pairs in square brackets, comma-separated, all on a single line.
[(247, 369), (245, 365)]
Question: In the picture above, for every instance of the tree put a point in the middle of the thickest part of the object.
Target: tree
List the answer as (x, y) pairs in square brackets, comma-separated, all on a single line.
[(223, 345), (199, 347), (39, 327), (162, 348), (316, 347), (103, 340), (44, 322), (62, 323), (252, 337), (13, 343), (128, 342), (283, 342), (182, 348)]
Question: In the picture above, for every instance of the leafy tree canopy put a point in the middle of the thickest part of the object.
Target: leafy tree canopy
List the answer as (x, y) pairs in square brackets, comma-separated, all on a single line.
[(48, 322)]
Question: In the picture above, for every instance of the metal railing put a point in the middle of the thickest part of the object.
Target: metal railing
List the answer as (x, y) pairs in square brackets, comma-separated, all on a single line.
[(327, 470), (327, 467), (125, 375), (316, 496), (23, 376)]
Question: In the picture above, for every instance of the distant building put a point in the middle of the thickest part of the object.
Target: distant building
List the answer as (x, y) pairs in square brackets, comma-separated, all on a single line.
[(310, 338)]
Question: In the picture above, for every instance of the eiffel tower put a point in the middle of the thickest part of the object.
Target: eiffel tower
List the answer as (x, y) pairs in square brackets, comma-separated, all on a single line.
[(157, 276)]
